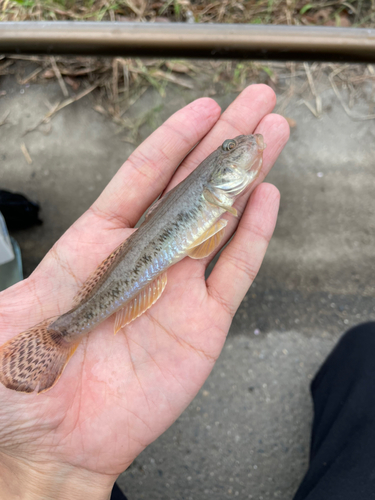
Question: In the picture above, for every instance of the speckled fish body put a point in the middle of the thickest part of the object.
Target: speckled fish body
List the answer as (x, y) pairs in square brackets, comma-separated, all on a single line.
[(185, 222)]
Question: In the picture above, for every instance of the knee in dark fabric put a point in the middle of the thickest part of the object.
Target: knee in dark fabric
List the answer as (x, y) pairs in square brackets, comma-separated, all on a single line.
[(354, 354)]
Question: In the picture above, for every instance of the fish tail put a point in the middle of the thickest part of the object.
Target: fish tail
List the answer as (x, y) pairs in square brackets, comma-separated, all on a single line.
[(34, 360)]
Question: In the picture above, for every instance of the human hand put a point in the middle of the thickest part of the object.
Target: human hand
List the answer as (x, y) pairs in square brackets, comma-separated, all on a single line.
[(119, 393)]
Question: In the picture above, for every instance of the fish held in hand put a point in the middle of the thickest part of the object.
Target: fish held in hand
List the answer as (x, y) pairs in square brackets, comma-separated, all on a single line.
[(185, 222)]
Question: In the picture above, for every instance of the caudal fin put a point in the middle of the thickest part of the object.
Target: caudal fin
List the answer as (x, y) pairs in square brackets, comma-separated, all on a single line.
[(34, 360)]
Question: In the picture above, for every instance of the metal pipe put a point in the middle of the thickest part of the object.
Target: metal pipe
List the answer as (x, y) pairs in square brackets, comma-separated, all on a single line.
[(225, 41)]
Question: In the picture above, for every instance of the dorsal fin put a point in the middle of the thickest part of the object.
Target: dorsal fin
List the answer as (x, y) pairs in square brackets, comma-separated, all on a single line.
[(209, 240), (155, 205), (94, 280), (141, 302)]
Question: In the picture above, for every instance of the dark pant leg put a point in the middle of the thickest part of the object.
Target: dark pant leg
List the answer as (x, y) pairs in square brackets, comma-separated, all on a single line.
[(117, 494), (342, 460)]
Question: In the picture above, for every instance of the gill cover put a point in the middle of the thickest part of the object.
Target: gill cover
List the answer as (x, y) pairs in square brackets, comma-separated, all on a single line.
[(239, 164)]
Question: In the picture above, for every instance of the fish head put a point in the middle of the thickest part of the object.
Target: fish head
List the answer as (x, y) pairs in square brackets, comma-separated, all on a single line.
[(239, 163)]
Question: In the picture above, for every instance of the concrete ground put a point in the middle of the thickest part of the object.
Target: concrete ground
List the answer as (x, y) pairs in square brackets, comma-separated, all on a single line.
[(246, 434)]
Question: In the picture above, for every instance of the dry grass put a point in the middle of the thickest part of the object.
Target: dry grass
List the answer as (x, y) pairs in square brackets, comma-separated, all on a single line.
[(305, 12), (351, 83), (117, 83)]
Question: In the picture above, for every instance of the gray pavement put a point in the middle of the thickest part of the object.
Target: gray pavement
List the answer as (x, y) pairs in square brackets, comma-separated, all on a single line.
[(247, 432)]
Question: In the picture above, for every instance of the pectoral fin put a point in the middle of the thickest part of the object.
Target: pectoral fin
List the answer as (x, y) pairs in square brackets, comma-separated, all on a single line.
[(143, 301), (214, 200), (209, 240)]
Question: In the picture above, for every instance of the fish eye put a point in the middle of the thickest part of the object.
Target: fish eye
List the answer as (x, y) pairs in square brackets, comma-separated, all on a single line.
[(228, 145)]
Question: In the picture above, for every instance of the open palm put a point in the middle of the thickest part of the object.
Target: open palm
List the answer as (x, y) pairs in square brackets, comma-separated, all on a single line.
[(119, 393)]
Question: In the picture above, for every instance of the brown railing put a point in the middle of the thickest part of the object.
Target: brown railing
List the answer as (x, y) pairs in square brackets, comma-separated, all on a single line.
[(225, 41)]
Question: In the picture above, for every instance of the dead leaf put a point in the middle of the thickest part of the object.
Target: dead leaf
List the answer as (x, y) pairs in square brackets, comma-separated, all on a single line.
[(72, 82), (177, 67), (100, 109), (49, 73), (308, 19), (345, 22), (292, 123), (322, 15), (341, 21)]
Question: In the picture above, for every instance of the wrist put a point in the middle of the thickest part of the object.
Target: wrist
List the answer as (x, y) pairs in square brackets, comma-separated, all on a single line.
[(51, 481)]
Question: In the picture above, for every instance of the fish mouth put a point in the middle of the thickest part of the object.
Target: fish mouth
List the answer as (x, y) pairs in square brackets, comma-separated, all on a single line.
[(250, 156), (260, 142), (254, 166)]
